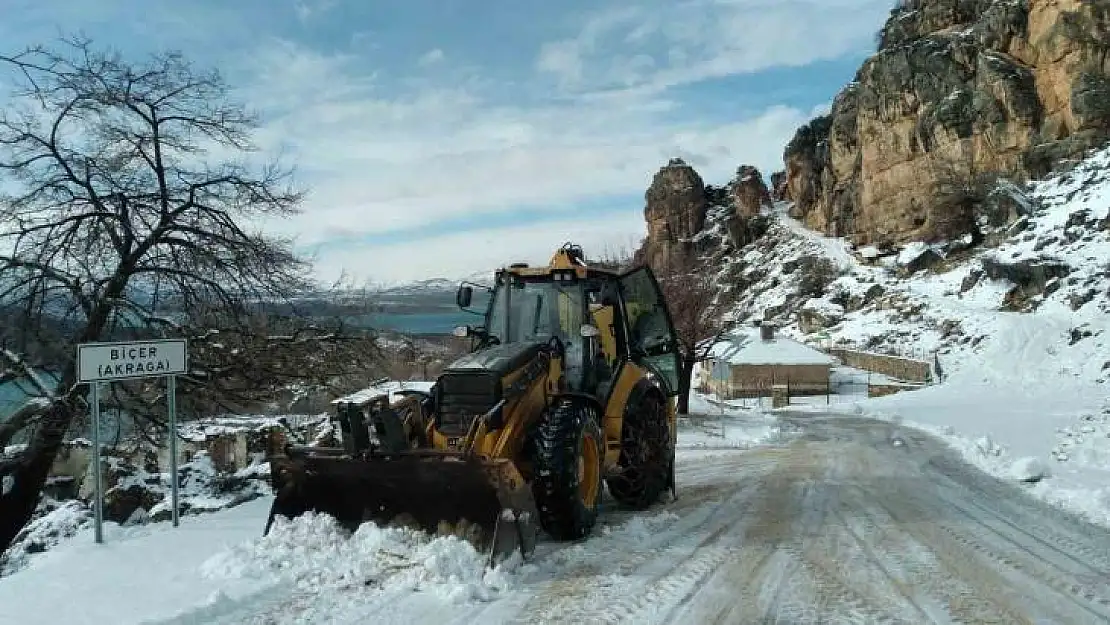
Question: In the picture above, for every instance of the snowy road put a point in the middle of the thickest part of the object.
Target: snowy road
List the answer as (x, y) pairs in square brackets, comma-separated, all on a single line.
[(837, 525)]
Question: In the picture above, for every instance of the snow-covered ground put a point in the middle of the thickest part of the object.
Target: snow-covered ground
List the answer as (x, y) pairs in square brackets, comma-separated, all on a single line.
[(832, 527), (218, 563), (1025, 393), (714, 424)]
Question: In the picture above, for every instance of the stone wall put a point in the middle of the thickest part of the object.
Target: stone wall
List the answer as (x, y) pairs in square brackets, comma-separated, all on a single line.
[(882, 390), (897, 367)]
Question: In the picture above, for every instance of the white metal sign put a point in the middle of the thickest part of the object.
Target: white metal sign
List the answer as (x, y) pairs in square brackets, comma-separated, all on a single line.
[(108, 362), (104, 362)]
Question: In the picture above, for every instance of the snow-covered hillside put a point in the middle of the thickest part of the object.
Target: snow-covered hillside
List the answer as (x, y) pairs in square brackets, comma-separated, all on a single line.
[(1017, 325)]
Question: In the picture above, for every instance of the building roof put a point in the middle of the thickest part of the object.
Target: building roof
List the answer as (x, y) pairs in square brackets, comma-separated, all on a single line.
[(745, 348)]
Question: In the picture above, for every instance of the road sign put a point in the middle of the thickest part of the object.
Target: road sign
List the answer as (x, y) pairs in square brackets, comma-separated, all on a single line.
[(104, 362), (107, 362)]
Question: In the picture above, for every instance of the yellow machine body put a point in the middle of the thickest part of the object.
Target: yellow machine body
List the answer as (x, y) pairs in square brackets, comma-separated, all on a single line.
[(561, 392)]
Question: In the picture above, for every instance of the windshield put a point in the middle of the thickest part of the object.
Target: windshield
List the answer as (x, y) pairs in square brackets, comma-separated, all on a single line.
[(535, 311)]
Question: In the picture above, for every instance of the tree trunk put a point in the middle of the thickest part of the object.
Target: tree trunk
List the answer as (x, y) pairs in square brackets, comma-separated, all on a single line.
[(685, 379), (30, 471)]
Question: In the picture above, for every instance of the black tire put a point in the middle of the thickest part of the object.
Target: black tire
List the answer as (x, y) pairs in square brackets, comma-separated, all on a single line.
[(646, 458), (559, 442)]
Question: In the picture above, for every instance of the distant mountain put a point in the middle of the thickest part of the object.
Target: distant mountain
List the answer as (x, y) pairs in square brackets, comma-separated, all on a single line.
[(435, 285)]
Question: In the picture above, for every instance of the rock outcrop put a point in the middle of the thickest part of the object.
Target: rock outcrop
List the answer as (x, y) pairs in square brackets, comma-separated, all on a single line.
[(958, 90), (688, 220), (749, 192), (778, 186), (675, 206)]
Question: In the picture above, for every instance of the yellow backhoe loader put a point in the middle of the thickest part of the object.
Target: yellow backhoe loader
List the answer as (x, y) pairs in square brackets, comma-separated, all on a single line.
[(570, 385)]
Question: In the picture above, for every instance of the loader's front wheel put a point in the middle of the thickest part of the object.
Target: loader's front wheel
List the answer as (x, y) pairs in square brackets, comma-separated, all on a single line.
[(567, 469)]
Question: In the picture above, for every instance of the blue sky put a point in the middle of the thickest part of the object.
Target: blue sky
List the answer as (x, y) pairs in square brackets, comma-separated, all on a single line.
[(441, 137)]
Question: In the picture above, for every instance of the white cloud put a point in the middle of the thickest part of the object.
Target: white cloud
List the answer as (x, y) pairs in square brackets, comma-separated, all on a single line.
[(431, 57), (462, 254), (307, 9), (384, 155), (661, 44), (380, 161)]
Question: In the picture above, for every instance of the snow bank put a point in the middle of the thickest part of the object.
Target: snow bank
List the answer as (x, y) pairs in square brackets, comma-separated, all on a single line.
[(140, 574), (136, 497)]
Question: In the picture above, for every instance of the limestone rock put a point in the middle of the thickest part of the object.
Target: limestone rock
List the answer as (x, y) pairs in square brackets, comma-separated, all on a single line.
[(957, 89), (689, 221), (675, 209), (778, 186), (749, 192)]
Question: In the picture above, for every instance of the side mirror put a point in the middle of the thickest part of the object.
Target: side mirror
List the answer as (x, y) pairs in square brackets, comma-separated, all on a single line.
[(461, 331), (463, 296), (588, 331)]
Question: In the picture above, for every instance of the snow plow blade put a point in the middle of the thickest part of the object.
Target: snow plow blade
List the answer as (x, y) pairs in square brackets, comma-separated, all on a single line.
[(443, 493)]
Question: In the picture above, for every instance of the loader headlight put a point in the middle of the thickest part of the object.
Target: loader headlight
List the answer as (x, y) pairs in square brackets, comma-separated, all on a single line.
[(563, 275)]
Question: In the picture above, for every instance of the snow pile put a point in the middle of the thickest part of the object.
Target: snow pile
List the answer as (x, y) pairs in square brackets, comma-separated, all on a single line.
[(54, 522), (314, 554), (140, 574)]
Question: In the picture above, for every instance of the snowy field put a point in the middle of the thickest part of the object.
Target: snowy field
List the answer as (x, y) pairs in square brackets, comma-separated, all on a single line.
[(830, 527), (218, 561)]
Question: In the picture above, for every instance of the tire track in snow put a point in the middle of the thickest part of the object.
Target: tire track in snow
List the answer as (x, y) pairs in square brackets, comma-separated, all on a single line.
[(612, 587), (837, 526)]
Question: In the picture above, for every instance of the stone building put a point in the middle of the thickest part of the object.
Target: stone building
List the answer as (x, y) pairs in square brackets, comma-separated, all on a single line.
[(751, 363)]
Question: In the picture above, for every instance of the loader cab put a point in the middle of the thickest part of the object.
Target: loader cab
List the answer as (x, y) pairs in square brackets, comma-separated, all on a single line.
[(600, 319), (540, 309)]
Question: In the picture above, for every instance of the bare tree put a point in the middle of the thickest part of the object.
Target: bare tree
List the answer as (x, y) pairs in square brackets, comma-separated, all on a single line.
[(128, 201), (700, 310), (702, 315)]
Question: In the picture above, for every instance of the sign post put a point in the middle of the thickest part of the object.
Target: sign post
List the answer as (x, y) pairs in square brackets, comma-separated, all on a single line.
[(98, 499), (109, 362)]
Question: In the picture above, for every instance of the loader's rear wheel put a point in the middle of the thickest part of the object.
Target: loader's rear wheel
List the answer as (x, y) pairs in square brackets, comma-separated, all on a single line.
[(644, 468), (567, 466)]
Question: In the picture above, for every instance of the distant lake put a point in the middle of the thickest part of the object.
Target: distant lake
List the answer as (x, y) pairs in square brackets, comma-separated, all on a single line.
[(418, 323), (11, 396)]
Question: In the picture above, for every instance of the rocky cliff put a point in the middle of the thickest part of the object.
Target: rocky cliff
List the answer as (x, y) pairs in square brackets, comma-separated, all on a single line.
[(959, 92), (688, 220)]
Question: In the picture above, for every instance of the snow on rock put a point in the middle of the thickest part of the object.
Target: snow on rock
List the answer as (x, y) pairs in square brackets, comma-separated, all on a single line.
[(1029, 469), (201, 430), (912, 252), (54, 522)]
